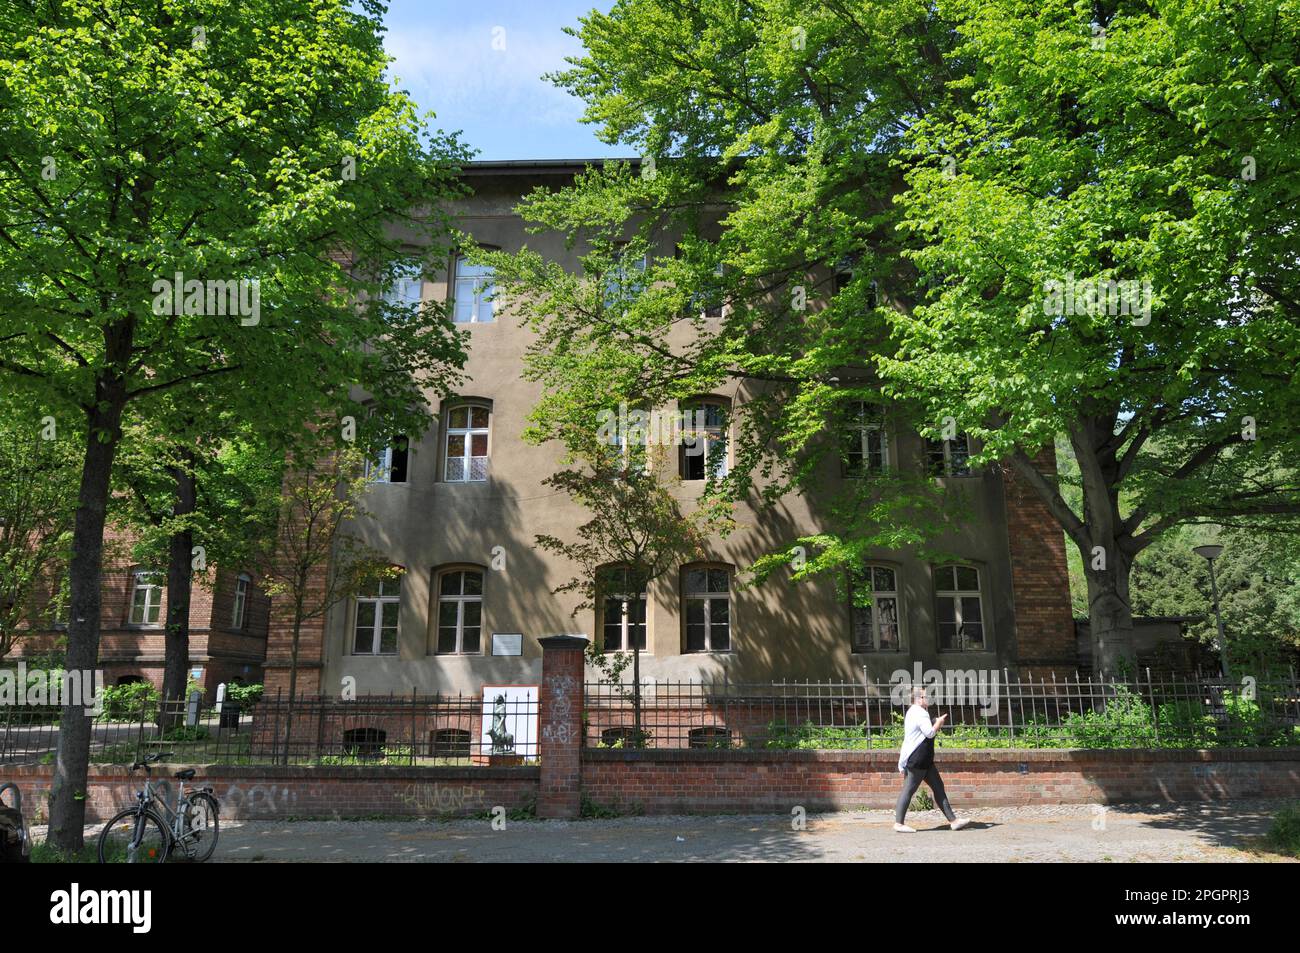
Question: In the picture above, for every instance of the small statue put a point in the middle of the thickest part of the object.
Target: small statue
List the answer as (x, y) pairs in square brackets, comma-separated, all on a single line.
[(502, 741)]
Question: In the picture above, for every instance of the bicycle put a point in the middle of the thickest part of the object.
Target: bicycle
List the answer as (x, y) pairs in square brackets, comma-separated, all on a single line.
[(140, 835)]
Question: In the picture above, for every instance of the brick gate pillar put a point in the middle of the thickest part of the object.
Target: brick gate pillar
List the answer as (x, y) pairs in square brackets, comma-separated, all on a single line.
[(561, 703)]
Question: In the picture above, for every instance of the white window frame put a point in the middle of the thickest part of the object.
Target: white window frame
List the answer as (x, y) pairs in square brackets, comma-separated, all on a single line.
[(708, 599), (468, 432), (143, 580), (711, 435), (239, 609), (381, 470), (619, 282), (460, 599), (473, 287), (931, 457), (406, 289), (955, 596), (626, 599), (382, 597), (862, 424), (877, 595)]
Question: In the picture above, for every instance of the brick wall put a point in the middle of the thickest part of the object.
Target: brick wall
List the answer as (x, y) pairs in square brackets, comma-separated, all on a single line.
[(703, 781), (1040, 581), (127, 650), (713, 782), (278, 793)]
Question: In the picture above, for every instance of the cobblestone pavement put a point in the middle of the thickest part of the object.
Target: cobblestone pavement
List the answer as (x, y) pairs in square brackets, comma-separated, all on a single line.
[(1219, 832)]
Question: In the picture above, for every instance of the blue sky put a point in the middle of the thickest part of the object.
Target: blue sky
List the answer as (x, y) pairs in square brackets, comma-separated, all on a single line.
[(446, 59)]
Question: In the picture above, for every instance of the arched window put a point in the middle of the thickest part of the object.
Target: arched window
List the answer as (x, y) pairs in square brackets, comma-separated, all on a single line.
[(473, 292), (460, 612), (960, 610), (710, 736), (876, 610), (449, 743), (466, 458), (623, 612), (364, 742), (706, 594), (146, 596), (378, 607)]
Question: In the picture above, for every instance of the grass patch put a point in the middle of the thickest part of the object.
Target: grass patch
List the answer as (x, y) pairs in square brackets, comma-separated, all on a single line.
[(1284, 835)]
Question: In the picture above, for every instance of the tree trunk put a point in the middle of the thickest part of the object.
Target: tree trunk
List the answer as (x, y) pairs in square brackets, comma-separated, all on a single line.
[(180, 578), (1110, 610), (293, 679), (67, 805)]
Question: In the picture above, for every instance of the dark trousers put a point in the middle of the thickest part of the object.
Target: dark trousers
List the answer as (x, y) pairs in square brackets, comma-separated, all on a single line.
[(912, 782)]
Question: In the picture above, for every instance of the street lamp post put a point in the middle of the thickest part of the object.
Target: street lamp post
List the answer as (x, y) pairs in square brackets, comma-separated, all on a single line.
[(1210, 553)]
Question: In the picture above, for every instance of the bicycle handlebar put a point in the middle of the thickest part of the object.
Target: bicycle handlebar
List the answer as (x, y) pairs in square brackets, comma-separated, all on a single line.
[(151, 759)]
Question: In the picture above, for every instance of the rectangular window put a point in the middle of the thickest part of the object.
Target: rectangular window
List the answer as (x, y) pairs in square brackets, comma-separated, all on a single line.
[(390, 466), (460, 612), (626, 278), (623, 622), (240, 609), (473, 292), (406, 288), (960, 612), (875, 610), (466, 459), (866, 443), (948, 457), (378, 607), (708, 610), (703, 454), (146, 597)]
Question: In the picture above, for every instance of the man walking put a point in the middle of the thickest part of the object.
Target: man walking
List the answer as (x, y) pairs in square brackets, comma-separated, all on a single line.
[(916, 762)]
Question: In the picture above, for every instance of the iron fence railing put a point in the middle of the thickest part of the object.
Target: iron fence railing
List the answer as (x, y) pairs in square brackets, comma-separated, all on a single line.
[(440, 729), (993, 711)]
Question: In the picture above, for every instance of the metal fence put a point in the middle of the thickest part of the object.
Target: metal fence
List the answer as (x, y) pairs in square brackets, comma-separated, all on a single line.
[(440, 729), (993, 712)]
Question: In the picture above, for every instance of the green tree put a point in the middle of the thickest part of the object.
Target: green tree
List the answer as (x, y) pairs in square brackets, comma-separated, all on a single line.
[(196, 191), (315, 561), (38, 470), (937, 174), (636, 534)]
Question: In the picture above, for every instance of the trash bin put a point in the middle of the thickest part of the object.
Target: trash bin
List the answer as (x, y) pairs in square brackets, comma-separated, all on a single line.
[(229, 715)]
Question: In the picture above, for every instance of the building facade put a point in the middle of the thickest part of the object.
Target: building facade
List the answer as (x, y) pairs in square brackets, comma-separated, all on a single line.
[(229, 616), (462, 505)]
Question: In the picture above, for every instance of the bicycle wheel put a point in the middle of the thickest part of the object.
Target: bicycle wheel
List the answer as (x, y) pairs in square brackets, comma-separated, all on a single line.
[(133, 837), (199, 833)]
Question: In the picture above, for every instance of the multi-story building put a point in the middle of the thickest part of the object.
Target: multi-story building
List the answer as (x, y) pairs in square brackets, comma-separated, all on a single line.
[(462, 506), (228, 621)]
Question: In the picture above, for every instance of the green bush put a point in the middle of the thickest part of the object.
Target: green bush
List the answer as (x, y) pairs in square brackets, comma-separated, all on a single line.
[(129, 702), (245, 696)]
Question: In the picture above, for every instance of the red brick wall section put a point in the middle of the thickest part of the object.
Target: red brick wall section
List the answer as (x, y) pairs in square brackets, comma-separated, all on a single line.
[(560, 707), (280, 793), (1040, 581), (702, 782), (140, 650)]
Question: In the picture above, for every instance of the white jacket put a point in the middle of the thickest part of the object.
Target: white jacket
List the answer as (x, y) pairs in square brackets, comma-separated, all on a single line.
[(916, 728)]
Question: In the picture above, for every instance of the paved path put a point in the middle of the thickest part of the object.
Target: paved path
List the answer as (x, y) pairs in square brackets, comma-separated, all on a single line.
[(1197, 832)]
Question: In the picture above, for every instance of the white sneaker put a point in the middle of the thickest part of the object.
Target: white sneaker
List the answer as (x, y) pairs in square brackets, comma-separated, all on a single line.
[(959, 824), (904, 829)]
